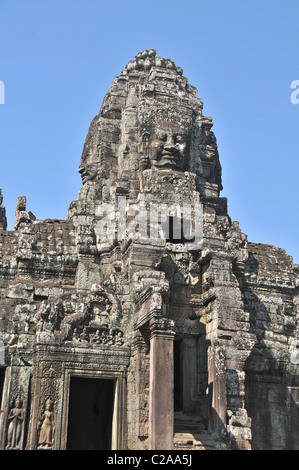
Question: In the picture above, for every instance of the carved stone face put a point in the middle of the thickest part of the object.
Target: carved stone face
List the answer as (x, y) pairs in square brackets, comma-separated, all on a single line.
[(152, 100), (88, 171), (169, 149), (48, 405), (83, 172), (96, 311), (167, 143), (18, 403), (90, 159)]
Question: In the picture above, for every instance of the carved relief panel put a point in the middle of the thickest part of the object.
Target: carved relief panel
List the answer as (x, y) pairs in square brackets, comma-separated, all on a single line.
[(92, 319)]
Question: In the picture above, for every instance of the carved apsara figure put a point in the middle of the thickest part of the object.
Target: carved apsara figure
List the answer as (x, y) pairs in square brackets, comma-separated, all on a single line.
[(84, 337), (119, 338), (16, 419), (97, 337), (46, 431)]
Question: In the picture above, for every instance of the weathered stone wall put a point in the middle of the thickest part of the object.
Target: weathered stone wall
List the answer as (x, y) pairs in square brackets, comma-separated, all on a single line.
[(107, 293)]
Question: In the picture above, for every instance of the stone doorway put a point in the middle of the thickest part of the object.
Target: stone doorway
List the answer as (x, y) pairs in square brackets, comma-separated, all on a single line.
[(188, 422), (185, 374), (90, 414), (2, 377)]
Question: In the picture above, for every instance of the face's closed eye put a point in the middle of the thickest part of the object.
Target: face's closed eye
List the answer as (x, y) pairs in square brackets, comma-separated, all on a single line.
[(180, 139), (162, 136)]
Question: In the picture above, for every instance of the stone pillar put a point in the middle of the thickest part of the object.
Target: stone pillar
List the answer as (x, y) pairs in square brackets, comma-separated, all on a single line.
[(217, 389), (161, 403), (138, 393)]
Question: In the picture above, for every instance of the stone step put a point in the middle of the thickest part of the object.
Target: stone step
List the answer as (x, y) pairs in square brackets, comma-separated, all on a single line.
[(187, 423), (190, 433), (200, 441), (189, 427)]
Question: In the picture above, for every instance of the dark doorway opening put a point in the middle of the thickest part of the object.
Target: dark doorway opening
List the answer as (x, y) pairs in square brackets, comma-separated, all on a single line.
[(90, 414), (2, 377), (178, 376)]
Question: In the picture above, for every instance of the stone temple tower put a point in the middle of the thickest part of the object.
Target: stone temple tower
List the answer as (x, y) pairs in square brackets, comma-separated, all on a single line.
[(146, 319)]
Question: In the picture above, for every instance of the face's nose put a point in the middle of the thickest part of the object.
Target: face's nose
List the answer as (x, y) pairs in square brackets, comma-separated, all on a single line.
[(81, 169), (169, 144)]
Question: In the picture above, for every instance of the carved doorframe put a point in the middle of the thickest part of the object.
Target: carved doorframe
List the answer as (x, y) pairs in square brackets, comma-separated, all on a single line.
[(118, 408), (52, 370)]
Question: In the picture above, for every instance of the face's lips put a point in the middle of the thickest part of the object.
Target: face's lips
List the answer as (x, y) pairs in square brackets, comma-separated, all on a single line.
[(83, 174), (167, 154), (167, 161), (169, 157)]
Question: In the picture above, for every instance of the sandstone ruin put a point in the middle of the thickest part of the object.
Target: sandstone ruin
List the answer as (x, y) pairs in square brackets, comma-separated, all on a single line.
[(146, 319)]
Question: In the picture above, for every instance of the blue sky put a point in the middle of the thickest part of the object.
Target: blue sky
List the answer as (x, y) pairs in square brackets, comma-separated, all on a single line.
[(59, 58)]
